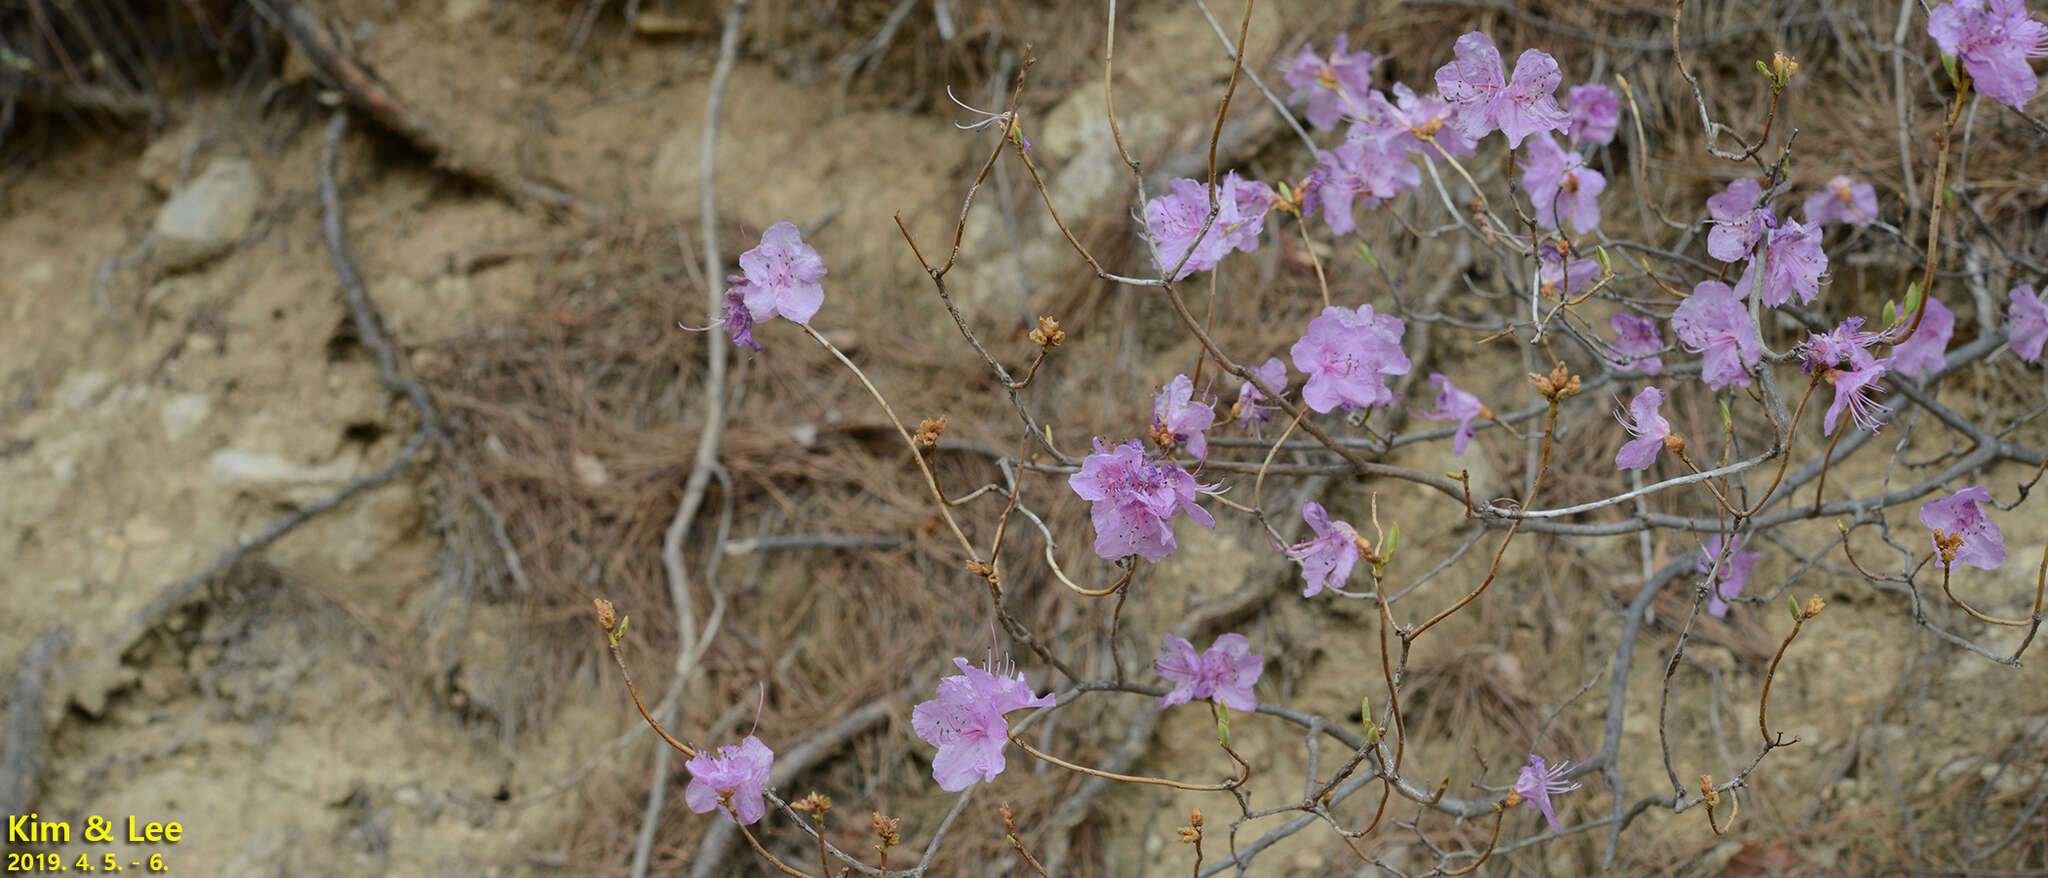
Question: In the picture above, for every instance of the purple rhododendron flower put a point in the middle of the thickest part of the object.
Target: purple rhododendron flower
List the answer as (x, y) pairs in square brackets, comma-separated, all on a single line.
[(1178, 419), (1327, 559), (1176, 218), (1842, 355), (1714, 323), (1957, 515), (1409, 118), (1454, 404), (1555, 269), (735, 774), (1362, 167), (1134, 501), (1249, 408), (1348, 354), (782, 276), (1648, 426), (966, 722), (1843, 201), (1993, 39), (1223, 673), (1595, 114), (2029, 328), (1637, 337), (1737, 219), (1921, 354), (1559, 182), (1734, 572), (1794, 263), (1332, 86), (739, 320), (1488, 100), (1537, 782)]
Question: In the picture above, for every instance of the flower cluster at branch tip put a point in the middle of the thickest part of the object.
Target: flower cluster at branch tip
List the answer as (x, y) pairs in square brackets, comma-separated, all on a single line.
[(734, 775), (1921, 353), (1348, 353), (1638, 338), (1175, 220), (1177, 419), (1791, 261), (1134, 501), (1250, 409), (1714, 323), (1993, 39), (1595, 114), (1561, 186), (1652, 432), (1488, 100), (1538, 781), (966, 722), (1455, 404), (1327, 559), (1330, 85), (2029, 322), (1842, 357), (1366, 168), (1843, 201), (1962, 532), (1732, 574), (1223, 673)]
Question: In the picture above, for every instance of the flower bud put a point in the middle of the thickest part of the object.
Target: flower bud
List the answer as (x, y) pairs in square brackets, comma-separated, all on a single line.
[(1813, 606), (929, 430)]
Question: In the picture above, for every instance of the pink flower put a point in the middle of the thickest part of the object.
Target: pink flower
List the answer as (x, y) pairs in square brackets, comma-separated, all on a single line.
[(1223, 673), (1538, 782), (1331, 86), (1559, 182), (1795, 263), (1488, 101), (1409, 118), (1957, 515), (1348, 354), (966, 722), (1249, 408), (1134, 501), (1737, 220), (1993, 39), (1177, 417), (1637, 338), (1326, 560), (1921, 354), (1713, 322), (1842, 356), (1595, 114), (2029, 323), (1734, 572), (734, 774), (1454, 404), (1176, 218), (782, 276), (1843, 201), (1649, 428), (1373, 169)]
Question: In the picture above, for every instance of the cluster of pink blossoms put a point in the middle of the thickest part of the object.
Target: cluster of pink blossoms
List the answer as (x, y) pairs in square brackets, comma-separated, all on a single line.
[(1134, 501), (1994, 39), (966, 722), (1176, 222)]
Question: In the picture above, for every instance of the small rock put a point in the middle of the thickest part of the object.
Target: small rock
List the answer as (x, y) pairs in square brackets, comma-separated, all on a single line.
[(209, 215), (589, 470), (184, 412), (83, 389), (279, 479)]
